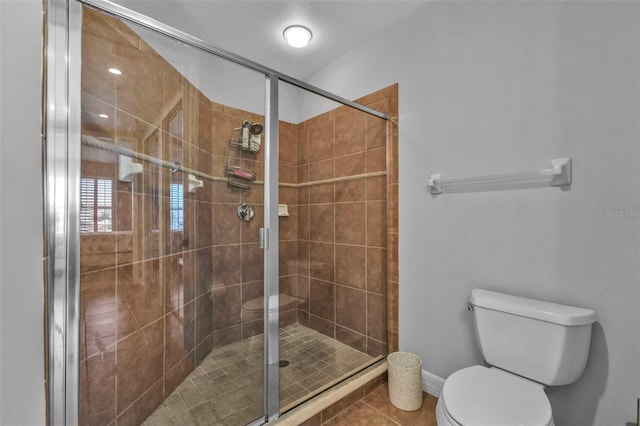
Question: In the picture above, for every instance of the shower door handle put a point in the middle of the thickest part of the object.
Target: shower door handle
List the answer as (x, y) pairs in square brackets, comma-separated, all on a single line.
[(263, 238)]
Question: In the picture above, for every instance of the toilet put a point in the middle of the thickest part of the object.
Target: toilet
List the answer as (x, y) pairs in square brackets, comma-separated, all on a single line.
[(528, 344), (253, 309)]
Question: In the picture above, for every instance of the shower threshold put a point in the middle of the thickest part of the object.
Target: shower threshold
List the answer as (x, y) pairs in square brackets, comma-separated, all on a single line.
[(226, 388)]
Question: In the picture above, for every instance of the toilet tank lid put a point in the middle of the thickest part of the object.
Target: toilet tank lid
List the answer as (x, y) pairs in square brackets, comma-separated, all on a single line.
[(531, 308)]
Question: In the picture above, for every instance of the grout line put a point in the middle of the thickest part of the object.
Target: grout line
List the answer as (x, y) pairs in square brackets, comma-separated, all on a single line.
[(381, 413)]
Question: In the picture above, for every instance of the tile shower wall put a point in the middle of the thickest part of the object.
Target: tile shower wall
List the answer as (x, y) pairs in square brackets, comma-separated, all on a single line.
[(347, 231), (158, 293)]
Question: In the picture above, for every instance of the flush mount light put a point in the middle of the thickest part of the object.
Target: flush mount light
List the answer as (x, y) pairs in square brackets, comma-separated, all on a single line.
[(297, 36), (115, 71), (103, 116)]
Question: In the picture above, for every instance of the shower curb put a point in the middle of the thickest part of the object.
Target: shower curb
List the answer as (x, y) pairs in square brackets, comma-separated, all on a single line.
[(325, 400)]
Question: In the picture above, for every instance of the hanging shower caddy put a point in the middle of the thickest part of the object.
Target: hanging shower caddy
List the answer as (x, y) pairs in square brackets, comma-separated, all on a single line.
[(242, 150)]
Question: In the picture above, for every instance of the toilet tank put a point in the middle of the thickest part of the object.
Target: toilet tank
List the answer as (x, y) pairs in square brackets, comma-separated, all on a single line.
[(542, 341)]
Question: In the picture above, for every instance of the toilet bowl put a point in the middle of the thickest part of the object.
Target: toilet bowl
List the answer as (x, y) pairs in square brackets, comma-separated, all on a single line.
[(529, 344), (481, 396)]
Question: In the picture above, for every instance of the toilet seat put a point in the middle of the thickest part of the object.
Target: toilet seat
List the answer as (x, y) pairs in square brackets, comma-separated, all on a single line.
[(481, 396)]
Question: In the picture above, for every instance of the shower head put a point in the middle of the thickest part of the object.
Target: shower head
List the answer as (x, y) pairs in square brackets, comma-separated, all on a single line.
[(254, 128)]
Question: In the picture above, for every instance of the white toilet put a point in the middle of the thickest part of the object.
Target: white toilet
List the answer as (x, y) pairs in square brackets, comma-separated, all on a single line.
[(528, 344)]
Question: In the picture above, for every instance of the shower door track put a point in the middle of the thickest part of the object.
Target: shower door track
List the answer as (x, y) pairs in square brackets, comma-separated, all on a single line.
[(62, 199)]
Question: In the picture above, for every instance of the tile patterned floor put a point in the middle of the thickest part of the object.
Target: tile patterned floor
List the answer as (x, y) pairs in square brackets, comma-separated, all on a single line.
[(226, 388), (376, 409)]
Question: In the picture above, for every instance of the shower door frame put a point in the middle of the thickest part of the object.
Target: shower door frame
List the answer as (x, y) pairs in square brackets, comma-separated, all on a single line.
[(62, 112)]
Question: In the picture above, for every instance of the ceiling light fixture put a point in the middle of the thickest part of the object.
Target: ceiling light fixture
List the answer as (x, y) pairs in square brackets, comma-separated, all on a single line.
[(103, 116), (115, 71), (297, 36)]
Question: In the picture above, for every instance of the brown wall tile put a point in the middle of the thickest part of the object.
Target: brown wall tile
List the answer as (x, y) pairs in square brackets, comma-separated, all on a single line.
[(392, 258), (376, 224), (377, 159), (376, 130), (98, 312), (288, 258), (376, 188), (206, 273), (303, 145), (323, 193), (377, 270), (226, 265), (179, 329), (351, 308), (174, 376), (97, 391), (136, 374), (321, 261), (320, 170), (351, 338), (227, 336), (173, 268), (351, 223), (303, 292), (392, 306), (350, 132), (203, 349), (205, 316), (321, 225), (322, 325), (321, 301), (393, 341), (140, 296), (350, 265), (353, 190), (203, 235), (226, 307), (98, 252), (321, 143), (253, 328), (289, 224), (142, 408), (226, 226), (376, 317), (204, 123), (376, 347), (252, 263)]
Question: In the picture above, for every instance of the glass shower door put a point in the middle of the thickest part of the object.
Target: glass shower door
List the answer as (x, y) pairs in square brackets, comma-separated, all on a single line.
[(171, 202), (332, 245)]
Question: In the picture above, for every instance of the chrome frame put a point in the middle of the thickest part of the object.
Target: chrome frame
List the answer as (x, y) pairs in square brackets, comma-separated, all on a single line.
[(271, 253), (62, 176), (62, 231)]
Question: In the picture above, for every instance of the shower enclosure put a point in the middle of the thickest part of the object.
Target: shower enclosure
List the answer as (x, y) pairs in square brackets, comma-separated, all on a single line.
[(219, 255)]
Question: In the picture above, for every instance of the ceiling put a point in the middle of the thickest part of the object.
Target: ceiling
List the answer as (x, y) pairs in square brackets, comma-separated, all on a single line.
[(253, 29)]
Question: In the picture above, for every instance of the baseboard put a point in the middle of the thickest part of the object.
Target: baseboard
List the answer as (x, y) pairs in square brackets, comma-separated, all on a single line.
[(432, 384)]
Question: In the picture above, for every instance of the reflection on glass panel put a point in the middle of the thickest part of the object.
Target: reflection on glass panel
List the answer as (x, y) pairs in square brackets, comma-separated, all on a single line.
[(96, 205), (176, 207), (166, 267)]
